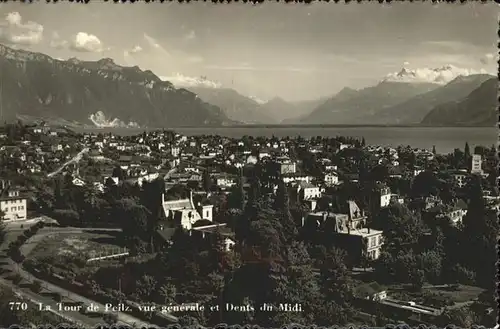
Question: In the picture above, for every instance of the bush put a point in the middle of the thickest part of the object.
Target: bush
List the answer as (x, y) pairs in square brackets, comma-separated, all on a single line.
[(58, 297), (36, 286), (17, 278), (110, 318)]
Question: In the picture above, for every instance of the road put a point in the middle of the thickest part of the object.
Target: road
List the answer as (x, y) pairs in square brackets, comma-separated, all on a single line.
[(48, 301), (170, 172), (74, 159)]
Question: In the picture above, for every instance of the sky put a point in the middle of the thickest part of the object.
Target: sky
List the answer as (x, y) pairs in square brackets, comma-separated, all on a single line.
[(292, 51)]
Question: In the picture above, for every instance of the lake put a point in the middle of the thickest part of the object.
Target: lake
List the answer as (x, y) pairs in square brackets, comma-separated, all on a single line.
[(446, 139)]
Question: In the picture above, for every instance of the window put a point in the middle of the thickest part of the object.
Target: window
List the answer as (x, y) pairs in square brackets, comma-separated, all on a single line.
[(12, 208)]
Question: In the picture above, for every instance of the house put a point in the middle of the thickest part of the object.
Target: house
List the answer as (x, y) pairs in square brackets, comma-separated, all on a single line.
[(455, 213), (289, 178), (206, 231), (360, 243), (371, 291), (147, 178), (288, 167), (13, 205), (460, 178), (350, 217), (183, 213), (78, 182), (476, 166), (308, 191), (381, 198), (331, 179), (347, 230), (224, 181)]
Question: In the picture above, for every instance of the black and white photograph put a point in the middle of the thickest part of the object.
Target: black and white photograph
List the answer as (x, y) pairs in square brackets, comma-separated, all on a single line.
[(264, 164)]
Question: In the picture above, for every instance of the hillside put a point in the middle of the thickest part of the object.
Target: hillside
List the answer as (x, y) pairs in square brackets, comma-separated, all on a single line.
[(296, 111), (358, 107), (416, 108), (235, 106), (36, 85), (479, 108)]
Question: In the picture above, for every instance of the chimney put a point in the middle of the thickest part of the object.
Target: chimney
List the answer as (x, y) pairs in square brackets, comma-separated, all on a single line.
[(368, 230)]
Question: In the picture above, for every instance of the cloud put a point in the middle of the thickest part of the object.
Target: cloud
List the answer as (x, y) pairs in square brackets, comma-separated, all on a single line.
[(128, 54), (190, 36), (441, 75), (447, 45), (248, 67), (14, 30), (57, 42), (488, 59), (136, 49), (84, 42), (195, 59), (182, 81)]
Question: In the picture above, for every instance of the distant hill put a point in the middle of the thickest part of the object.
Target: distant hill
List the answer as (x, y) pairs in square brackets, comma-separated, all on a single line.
[(358, 107), (236, 106), (479, 108), (297, 111), (248, 110), (416, 108), (38, 86)]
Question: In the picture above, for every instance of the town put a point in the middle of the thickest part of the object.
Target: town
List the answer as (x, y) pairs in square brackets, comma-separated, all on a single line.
[(353, 233)]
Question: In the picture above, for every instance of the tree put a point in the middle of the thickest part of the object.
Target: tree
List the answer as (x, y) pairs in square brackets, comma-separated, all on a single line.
[(282, 206), (151, 198), (460, 317), (467, 156), (168, 292), (3, 232), (337, 288), (480, 231), (417, 277), (206, 181), (119, 173), (145, 286), (402, 229), (36, 286), (430, 262), (425, 184)]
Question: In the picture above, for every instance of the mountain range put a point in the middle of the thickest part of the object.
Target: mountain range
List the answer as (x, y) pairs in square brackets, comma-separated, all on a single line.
[(399, 100), (248, 110), (357, 107), (414, 110), (102, 93), (479, 108), (38, 86)]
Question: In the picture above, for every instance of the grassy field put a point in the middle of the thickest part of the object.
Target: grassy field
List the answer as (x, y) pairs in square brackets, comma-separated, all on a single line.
[(460, 295), (56, 248), (436, 296)]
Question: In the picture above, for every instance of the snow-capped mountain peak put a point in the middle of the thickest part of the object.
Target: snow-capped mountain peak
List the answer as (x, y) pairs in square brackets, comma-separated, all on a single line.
[(440, 75), (182, 81), (257, 99)]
